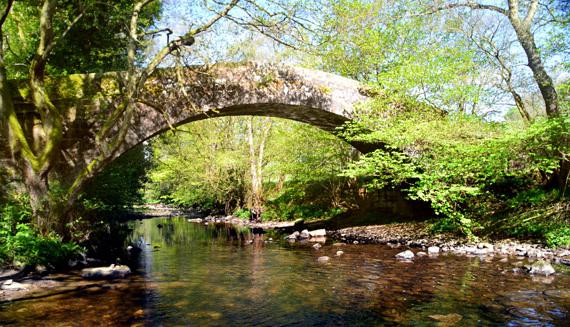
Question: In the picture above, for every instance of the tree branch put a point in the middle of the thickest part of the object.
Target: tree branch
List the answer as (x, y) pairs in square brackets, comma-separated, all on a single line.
[(213, 20), (6, 12), (514, 10), (62, 36), (531, 12), (469, 4), (185, 40)]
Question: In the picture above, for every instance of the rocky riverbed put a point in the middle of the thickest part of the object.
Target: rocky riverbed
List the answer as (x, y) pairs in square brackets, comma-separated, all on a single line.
[(416, 236)]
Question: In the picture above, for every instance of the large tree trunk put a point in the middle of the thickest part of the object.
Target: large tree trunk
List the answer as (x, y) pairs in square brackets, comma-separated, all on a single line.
[(545, 83), (38, 190)]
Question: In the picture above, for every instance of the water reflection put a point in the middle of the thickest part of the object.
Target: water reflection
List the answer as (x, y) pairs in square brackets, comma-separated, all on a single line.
[(191, 274)]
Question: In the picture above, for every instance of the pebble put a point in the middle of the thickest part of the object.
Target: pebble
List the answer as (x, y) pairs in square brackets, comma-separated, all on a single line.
[(323, 259), (318, 233), (433, 250), (317, 246), (339, 253), (407, 255)]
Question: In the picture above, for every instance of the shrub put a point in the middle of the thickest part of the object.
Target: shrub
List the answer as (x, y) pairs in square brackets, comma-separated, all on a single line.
[(28, 248), (559, 236), (21, 245), (242, 213)]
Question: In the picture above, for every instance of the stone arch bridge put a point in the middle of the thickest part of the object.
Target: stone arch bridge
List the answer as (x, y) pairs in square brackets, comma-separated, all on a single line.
[(176, 96)]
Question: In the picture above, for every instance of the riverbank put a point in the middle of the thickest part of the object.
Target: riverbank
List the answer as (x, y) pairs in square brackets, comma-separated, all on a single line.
[(413, 235), (418, 236)]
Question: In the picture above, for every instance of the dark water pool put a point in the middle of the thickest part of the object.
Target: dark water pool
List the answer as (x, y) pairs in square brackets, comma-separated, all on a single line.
[(190, 274)]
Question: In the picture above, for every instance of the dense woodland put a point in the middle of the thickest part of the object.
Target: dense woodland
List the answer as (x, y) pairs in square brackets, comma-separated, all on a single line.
[(471, 100)]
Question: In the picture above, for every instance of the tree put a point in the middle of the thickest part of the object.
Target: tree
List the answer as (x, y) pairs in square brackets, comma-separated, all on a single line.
[(35, 157), (495, 45), (256, 163), (374, 42), (522, 26)]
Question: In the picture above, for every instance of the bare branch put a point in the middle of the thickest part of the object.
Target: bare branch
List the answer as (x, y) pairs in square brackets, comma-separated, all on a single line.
[(531, 12), (468, 4), (213, 20)]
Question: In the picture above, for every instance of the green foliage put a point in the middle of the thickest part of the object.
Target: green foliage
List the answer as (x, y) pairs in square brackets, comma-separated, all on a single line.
[(242, 213), (28, 248), (119, 186), (379, 42), (558, 236), (201, 163), (97, 43), (460, 164), (207, 163), (21, 245)]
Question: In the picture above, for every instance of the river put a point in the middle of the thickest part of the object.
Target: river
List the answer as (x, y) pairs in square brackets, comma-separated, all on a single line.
[(216, 275)]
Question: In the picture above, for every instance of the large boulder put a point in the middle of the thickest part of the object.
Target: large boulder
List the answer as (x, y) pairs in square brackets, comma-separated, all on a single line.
[(111, 272)]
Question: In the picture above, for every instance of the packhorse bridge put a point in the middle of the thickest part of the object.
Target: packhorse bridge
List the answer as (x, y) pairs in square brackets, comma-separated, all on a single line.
[(176, 96)]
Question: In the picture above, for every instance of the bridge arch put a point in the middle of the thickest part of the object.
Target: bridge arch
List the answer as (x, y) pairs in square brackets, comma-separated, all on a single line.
[(176, 96), (317, 98)]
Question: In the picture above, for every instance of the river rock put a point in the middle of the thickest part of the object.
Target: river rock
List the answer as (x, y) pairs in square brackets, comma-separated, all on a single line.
[(421, 254), (133, 250), (111, 272), (541, 267), (195, 220), (304, 234), (406, 255), (317, 246), (319, 239), (138, 314), (433, 250), (339, 253), (11, 285), (293, 236), (487, 246), (318, 233), (323, 259), (480, 251)]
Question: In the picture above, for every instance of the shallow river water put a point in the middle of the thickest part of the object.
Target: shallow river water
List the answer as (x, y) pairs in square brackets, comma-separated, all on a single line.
[(191, 274)]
